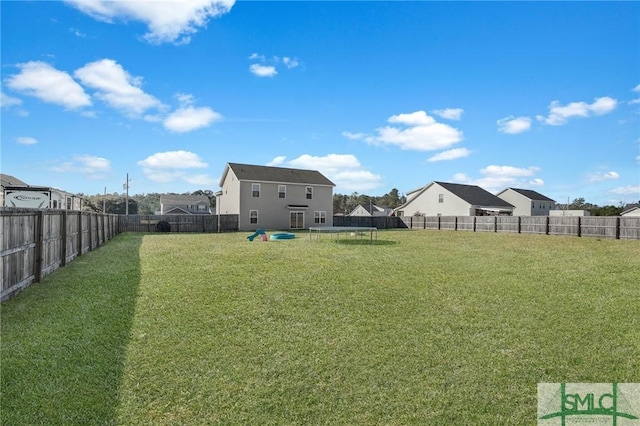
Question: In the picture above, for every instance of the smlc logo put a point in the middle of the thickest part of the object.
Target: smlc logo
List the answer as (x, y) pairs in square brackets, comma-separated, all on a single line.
[(616, 404)]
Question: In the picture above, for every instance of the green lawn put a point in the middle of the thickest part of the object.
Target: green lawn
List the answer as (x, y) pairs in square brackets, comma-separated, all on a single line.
[(422, 327)]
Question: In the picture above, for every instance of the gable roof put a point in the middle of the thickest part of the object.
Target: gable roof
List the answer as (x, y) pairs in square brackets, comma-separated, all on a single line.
[(8, 180), (474, 195), (629, 208), (183, 199), (276, 174), (529, 193)]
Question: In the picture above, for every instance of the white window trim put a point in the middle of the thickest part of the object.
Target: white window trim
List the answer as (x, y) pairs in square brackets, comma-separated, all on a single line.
[(320, 217), (308, 191), (251, 217), (284, 191), (255, 185)]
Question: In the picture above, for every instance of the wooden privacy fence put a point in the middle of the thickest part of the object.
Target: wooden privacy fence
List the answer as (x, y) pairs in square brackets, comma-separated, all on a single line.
[(180, 223), (34, 243), (619, 227)]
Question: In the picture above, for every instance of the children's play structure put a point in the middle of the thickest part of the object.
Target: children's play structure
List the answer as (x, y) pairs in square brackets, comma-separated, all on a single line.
[(274, 237), (260, 232)]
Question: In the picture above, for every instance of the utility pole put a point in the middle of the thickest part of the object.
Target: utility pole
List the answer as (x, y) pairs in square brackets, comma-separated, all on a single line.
[(126, 187)]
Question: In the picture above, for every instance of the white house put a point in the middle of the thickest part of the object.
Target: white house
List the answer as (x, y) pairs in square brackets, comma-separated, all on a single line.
[(369, 210), (184, 204), (452, 199), (275, 198), (527, 202), (631, 210)]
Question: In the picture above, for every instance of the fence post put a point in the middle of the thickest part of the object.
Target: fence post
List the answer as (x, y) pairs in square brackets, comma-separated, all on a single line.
[(495, 224), (579, 226), (455, 223), (617, 227), (63, 248), (39, 237), (474, 223), (546, 227), (519, 224)]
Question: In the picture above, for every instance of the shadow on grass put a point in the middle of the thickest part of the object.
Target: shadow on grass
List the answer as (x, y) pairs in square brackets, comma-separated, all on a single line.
[(365, 242), (64, 340)]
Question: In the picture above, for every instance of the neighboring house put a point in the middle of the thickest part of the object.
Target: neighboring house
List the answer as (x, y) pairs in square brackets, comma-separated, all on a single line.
[(275, 197), (16, 193), (561, 212), (184, 204), (371, 210), (453, 199), (527, 202), (631, 210)]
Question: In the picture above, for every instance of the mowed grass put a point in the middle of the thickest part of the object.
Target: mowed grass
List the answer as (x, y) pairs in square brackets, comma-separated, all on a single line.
[(421, 327)]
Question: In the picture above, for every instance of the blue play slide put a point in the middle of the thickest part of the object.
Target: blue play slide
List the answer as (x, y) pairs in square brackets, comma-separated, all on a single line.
[(259, 231)]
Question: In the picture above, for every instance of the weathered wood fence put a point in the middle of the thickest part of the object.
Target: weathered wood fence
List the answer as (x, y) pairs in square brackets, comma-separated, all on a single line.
[(34, 243), (619, 227), (180, 223)]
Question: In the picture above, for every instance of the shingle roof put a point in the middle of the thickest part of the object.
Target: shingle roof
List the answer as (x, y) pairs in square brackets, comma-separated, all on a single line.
[(8, 180), (183, 199), (531, 194), (474, 195), (278, 174)]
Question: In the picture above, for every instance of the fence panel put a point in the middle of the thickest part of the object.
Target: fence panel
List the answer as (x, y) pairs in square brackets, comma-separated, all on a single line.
[(629, 227), (34, 243), (486, 223), (599, 226), (466, 223), (564, 225), (508, 224), (534, 224)]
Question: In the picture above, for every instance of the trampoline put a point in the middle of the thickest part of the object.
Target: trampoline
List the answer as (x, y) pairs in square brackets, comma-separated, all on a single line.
[(357, 231)]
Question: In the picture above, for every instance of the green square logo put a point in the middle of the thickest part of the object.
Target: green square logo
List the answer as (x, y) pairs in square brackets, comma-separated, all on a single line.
[(593, 404)]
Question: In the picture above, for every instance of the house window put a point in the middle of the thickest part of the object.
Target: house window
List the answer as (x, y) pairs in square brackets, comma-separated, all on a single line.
[(441, 198), (255, 190), (320, 217), (253, 216), (309, 192), (202, 208), (282, 191)]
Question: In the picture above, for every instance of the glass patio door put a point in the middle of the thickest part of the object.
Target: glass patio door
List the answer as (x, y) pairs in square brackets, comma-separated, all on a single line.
[(297, 220)]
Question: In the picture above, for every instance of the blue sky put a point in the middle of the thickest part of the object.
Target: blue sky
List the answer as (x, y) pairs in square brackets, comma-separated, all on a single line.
[(376, 95)]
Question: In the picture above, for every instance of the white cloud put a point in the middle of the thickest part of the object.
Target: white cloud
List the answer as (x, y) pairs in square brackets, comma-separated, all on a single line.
[(171, 166), (173, 160), (632, 190), (189, 118), (416, 131), (342, 169), (7, 101), (354, 136), (495, 178), (263, 70), (449, 113), (168, 21), (117, 87), (559, 114), (267, 67), (290, 63), (48, 84), (26, 140), (93, 167), (451, 154), (514, 125), (597, 177), (636, 89)]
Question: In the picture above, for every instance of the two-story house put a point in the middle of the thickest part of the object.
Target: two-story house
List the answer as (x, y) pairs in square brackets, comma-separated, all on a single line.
[(453, 199), (184, 204), (527, 202), (275, 197)]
